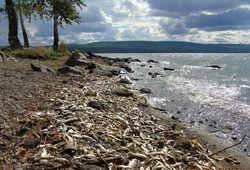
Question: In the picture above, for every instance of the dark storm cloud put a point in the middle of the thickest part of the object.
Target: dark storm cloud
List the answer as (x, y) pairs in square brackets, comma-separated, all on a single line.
[(179, 8), (173, 26), (237, 19)]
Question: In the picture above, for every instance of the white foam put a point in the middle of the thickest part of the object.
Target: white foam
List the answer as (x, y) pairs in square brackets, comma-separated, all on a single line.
[(156, 101), (211, 93)]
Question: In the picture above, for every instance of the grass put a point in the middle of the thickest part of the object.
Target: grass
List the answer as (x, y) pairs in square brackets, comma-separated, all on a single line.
[(41, 53)]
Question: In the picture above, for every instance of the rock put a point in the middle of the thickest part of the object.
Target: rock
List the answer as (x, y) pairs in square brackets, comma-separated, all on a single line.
[(40, 68), (143, 65), (96, 105), (126, 67), (169, 69), (73, 60), (124, 81), (31, 143), (153, 75), (145, 91), (76, 70), (3, 56), (124, 92), (152, 61), (106, 70), (215, 66), (87, 64)]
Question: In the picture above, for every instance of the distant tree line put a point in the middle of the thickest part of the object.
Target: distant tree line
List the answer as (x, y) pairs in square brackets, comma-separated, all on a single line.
[(59, 11)]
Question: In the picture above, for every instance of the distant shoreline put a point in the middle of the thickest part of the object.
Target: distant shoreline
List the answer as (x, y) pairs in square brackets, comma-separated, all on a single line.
[(158, 47)]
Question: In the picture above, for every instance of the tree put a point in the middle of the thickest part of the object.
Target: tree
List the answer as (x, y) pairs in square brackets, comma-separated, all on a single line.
[(61, 12), (20, 6), (13, 25)]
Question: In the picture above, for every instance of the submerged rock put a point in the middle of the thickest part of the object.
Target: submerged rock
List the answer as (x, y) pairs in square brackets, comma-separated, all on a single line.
[(215, 66), (169, 69), (152, 61), (145, 91)]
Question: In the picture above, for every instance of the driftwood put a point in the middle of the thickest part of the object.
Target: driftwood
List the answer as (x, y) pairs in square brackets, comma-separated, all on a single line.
[(3, 56), (229, 147)]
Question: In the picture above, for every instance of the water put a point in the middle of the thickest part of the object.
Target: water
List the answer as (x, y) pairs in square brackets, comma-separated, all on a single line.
[(217, 100)]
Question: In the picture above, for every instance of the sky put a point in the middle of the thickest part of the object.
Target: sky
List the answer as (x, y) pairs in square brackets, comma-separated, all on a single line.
[(199, 21)]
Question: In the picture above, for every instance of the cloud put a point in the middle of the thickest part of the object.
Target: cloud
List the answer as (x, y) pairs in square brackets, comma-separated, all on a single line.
[(173, 26), (236, 19), (214, 21), (180, 8)]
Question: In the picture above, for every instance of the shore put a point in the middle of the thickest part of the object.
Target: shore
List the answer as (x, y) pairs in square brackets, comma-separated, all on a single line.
[(90, 120)]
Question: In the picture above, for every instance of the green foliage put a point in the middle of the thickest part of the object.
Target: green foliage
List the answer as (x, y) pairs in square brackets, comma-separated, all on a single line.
[(37, 53), (32, 54), (76, 51), (63, 49), (66, 10)]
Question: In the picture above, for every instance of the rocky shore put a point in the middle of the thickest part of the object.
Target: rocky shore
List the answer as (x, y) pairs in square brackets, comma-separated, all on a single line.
[(78, 113)]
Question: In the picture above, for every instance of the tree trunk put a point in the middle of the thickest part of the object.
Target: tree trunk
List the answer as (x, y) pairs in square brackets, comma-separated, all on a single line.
[(25, 36), (13, 25), (56, 36)]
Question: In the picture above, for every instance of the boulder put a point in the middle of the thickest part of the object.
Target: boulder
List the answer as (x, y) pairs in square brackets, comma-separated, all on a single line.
[(104, 70), (145, 91), (40, 68), (86, 64), (74, 58), (125, 66), (66, 69)]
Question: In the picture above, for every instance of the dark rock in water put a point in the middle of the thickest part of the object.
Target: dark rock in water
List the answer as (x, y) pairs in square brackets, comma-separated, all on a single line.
[(169, 69), (150, 66), (143, 65), (76, 70), (126, 67), (234, 137), (153, 75), (96, 105), (124, 92), (145, 91), (152, 61), (135, 79), (40, 68), (215, 66), (124, 81), (201, 121)]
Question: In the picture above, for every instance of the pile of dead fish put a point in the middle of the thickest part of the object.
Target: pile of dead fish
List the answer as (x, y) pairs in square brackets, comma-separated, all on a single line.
[(99, 124)]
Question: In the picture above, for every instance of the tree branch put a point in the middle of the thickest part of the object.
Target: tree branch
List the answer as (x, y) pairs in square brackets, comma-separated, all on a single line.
[(229, 147)]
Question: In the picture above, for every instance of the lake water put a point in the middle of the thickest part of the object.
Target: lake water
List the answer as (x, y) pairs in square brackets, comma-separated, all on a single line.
[(217, 100)]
